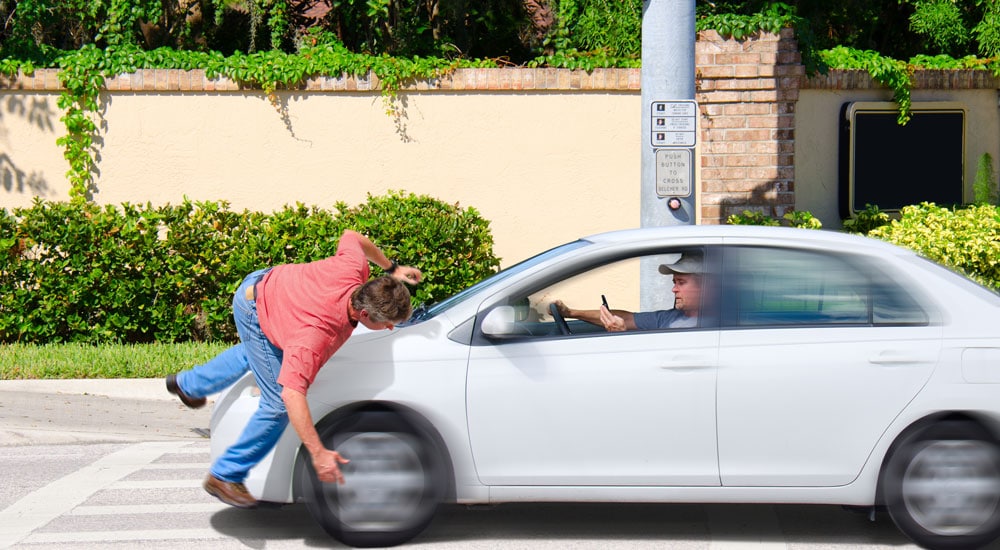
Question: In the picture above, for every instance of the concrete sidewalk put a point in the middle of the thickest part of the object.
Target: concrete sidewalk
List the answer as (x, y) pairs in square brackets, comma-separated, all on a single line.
[(40, 412)]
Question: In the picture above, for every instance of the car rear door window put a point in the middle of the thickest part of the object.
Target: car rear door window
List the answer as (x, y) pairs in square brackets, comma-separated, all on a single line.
[(784, 286)]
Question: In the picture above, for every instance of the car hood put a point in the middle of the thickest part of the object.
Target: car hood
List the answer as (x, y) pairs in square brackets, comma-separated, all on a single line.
[(363, 334), (370, 362)]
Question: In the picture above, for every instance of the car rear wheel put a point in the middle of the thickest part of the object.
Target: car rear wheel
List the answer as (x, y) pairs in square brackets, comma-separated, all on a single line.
[(942, 486), (393, 483)]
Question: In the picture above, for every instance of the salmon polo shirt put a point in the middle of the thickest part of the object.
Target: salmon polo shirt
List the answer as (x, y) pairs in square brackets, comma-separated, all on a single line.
[(303, 309)]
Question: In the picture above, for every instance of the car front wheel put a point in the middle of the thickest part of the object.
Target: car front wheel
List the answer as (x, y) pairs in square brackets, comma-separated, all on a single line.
[(941, 486), (393, 483)]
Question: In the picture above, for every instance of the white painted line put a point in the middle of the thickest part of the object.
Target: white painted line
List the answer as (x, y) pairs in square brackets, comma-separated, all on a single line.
[(201, 448), (130, 509), (159, 484), (40, 507), (728, 523), (178, 466), (69, 537), (745, 545)]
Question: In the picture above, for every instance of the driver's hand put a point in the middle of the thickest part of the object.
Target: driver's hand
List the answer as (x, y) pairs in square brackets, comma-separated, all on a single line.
[(611, 322), (562, 308)]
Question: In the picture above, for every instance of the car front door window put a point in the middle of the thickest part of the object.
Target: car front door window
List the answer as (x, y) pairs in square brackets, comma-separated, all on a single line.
[(591, 408)]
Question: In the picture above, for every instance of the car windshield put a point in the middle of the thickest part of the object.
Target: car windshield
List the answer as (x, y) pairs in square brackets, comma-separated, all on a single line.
[(425, 312)]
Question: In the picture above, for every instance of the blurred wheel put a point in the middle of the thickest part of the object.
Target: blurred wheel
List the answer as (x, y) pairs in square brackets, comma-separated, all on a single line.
[(393, 482), (942, 486)]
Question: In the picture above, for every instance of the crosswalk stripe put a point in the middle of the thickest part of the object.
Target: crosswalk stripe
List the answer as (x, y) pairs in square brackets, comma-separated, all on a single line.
[(178, 466), (40, 507), (134, 509), (158, 484), (198, 449), (729, 519), (142, 534)]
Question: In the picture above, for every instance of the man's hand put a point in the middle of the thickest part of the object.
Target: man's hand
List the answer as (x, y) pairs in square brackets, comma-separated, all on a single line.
[(564, 309), (375, 255), (327, 464), (611, 322), (407, 274)]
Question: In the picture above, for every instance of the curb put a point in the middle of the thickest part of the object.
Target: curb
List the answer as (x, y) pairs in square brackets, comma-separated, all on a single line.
[(122, 388)]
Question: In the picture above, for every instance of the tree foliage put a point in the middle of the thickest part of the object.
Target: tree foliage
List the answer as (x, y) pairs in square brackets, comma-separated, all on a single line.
[(899, 29), (515, 31), (941, 25)]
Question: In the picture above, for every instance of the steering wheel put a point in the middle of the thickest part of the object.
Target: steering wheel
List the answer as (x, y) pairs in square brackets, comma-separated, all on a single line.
[(560, 320)]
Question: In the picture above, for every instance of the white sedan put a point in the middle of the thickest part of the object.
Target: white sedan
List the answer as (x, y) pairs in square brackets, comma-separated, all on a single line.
[(821, 368)]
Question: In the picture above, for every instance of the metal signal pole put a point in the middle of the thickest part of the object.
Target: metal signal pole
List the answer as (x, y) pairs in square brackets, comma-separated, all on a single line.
[(669, 129)]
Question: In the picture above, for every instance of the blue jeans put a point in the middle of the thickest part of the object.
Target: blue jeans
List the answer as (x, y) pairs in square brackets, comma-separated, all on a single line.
[(257, 354)]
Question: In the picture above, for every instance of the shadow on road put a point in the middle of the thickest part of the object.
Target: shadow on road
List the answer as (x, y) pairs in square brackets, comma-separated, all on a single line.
[(656, 525)]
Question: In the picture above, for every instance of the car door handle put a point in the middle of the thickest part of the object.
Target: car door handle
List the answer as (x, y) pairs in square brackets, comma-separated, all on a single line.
[(893, 358), (687, 362)]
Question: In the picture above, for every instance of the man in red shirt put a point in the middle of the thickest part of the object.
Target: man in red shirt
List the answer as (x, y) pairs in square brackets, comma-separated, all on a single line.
[(291, 319)]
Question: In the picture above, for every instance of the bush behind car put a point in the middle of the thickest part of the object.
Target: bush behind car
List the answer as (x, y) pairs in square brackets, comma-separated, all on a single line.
[(964, 238), (967, 238), (137, 274)]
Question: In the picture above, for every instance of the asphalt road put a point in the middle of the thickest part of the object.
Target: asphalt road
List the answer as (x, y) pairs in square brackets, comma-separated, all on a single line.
[(121, 495), (34, 417), (85, 471)]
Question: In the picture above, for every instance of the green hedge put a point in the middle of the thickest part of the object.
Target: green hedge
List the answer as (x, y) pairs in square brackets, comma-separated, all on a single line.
[(137, 274)]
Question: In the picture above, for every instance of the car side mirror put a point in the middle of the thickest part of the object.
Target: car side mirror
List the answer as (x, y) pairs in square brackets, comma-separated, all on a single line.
[(500, 322)]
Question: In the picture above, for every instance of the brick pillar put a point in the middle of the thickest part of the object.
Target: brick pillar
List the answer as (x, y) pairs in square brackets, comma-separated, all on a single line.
[(747, 90)]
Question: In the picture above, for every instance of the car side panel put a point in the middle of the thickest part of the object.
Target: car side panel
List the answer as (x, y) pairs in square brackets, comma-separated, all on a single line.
[(805, 407), (608, 409)]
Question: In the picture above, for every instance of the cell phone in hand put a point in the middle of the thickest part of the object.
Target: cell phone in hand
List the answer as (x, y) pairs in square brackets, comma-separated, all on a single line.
[(604, 302)]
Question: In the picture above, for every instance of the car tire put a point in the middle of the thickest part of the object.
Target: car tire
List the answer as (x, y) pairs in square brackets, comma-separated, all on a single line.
[(941, 486), (394, 481)]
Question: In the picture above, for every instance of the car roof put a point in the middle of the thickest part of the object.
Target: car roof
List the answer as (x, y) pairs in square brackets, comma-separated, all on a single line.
[(787, 235)]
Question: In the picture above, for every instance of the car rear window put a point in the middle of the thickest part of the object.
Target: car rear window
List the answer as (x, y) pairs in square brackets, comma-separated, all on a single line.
[(783, 286)]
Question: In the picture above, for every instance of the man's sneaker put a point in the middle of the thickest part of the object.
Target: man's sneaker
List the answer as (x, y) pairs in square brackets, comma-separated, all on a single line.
[(193, 402), (233, 494)]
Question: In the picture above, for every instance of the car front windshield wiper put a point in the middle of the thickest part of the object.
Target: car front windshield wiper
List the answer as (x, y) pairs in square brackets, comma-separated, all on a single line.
[(420, 313)]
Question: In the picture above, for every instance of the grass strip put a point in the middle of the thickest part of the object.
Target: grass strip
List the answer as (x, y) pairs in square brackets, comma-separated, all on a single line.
[(68, 361)]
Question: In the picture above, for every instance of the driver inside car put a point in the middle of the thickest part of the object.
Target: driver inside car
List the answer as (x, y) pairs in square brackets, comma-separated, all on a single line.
[(687, 273)]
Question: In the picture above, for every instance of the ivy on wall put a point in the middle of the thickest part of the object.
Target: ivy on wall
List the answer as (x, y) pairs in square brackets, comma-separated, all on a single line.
[(898, 75)]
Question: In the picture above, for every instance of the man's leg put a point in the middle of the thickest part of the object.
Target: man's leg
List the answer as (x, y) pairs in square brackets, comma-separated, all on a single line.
[(193, 385), (268, 422), (225, 479)]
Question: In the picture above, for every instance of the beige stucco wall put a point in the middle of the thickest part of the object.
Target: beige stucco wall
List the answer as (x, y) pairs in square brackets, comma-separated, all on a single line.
[(31, 164), (816, 131), (544, 167), (547, 156)]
